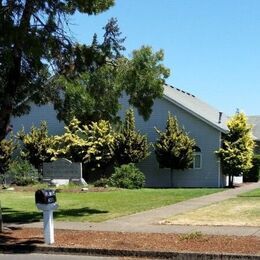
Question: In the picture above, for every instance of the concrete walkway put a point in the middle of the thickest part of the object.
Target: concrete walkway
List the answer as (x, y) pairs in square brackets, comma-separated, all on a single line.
[(148, 221)]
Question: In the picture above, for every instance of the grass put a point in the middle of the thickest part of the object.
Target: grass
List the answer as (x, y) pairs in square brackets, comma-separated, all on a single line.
[(251, 194), (244, 210), (197, 235), (94, 206)]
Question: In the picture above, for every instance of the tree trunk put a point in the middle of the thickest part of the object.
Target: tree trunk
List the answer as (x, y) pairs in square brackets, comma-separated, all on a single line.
[(230, 180), (5, 114)]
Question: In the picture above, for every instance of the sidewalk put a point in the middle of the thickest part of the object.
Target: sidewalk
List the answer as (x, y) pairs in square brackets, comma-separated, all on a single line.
[(148, 221)]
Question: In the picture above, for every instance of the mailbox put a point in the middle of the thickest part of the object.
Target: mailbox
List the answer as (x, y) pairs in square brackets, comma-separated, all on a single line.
[(45, 196)]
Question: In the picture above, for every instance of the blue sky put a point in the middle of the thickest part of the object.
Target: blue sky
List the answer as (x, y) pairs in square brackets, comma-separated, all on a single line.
[(212, 47)]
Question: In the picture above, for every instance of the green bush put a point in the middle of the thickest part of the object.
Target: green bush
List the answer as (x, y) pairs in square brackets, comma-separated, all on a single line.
[(102, 182), (22, 173), (127, 176), (254, 173)]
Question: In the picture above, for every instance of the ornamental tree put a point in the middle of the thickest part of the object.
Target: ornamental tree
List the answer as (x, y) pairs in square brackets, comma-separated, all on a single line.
[(34, 43), (130, 145), (98, 74), (237, 150), (90, 144), (35, 145), (174, 148)]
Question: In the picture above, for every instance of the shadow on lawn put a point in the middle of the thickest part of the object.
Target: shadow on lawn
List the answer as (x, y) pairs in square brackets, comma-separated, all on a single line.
[(22, 217)]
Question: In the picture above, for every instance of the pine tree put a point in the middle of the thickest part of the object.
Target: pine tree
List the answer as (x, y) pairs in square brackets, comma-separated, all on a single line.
[(237, 150), (35, 42), (131, 146), (174, 148)]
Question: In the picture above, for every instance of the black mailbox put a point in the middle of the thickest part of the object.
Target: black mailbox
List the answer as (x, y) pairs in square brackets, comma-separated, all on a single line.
[(45, 196)]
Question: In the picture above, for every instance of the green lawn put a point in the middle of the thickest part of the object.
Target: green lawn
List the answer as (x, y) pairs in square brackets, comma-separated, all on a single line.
[(251, 194), (94, 206), (244, 210)]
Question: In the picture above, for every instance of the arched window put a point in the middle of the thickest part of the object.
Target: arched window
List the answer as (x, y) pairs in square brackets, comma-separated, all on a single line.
[(197, 158)]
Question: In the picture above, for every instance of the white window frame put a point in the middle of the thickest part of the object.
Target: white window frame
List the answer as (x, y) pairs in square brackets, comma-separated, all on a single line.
[(195, 154)]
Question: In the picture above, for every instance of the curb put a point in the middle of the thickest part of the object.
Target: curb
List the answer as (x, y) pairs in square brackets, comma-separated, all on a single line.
[(122, 253)]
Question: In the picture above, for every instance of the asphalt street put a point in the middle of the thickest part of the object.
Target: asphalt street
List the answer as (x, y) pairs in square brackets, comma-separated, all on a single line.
[(50, 257)]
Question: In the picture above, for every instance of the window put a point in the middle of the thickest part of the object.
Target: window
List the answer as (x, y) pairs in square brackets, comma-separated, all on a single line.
[(197, 158)]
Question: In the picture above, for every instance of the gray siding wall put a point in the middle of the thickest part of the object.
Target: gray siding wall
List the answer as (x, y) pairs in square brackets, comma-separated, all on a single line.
[(257, 147), (38, 114), (206, 137)]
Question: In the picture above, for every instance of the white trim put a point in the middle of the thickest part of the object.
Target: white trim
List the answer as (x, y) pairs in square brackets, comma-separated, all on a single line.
[(192, 166), (219, 163), (193, 163)]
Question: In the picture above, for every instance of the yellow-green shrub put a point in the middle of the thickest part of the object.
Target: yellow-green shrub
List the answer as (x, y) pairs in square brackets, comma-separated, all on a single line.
[(90, 144), (35, 145)]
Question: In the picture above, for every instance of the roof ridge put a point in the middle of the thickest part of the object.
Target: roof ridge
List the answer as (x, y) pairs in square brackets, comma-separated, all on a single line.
[(180, 90)]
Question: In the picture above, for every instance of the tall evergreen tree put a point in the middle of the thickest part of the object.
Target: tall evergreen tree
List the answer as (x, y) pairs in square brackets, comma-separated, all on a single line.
[(33, 44), (174, 148), (130, 145), (237, 150)]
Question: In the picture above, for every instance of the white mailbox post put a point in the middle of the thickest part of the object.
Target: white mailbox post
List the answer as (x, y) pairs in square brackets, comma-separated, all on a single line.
[(48, 224)]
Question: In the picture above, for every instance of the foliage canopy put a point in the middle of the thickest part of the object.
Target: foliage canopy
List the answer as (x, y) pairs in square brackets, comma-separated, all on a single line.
[(174, 148), (35, 145), (34, 43), (237, 150), (130, 145)]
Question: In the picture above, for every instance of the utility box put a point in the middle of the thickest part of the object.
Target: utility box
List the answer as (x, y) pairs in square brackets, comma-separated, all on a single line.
[(45, 196)]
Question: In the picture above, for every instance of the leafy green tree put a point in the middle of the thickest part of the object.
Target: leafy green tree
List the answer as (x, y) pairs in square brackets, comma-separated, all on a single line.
[(174, 148), (130, 145), (91, 96), (237, 150), (143, 79), (35, 145), (33, 44), (96, 80)]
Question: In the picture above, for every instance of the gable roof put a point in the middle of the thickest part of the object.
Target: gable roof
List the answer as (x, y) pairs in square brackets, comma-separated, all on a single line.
[(196, 107), (255, 121)]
